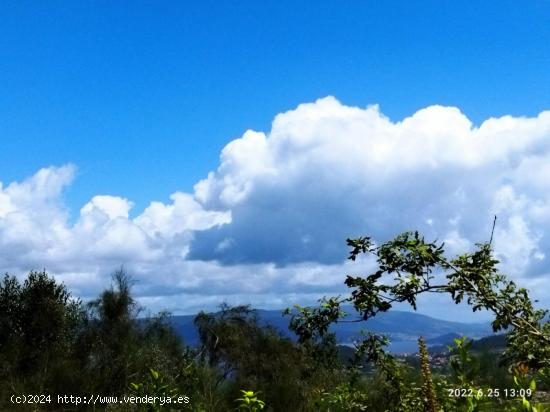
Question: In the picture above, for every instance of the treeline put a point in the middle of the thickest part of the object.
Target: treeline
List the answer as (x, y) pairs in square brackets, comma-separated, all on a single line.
[(51, 343), (54, 344)]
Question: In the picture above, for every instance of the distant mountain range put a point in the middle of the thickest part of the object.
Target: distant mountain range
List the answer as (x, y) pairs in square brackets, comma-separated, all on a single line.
[(403, 328)]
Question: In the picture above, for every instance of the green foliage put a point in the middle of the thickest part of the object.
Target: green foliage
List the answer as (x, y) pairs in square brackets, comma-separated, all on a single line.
[(51, 343), (467, 377), (343, 398), (201, 383), (249, 402), (311, 326), (246, 354), (475, 276), (38, 324), (525, 381), (465, 368), (156, 387), (110, 339), (405, 270)]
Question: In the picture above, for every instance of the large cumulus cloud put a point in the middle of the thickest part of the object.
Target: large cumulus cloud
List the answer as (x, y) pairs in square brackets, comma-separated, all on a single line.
[(326, 171), (269, 225)]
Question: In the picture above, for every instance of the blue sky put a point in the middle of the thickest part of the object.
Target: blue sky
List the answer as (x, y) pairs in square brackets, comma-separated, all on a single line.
[(142, 97)]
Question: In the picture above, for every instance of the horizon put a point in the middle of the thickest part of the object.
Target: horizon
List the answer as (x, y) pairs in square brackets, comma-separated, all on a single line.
[(467, 322)]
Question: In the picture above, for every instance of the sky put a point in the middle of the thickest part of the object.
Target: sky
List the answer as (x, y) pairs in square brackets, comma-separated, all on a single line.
[(224, 151)]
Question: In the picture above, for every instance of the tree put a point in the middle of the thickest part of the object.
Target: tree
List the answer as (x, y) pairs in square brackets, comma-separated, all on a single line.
[(406, 267), (39, 321), (51, 343), (254, 356), (109, 342)]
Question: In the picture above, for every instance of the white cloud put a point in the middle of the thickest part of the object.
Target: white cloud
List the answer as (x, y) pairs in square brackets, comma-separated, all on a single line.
[(326, 171), (35, 232), (110, 206), (184, 214), (269, 225)]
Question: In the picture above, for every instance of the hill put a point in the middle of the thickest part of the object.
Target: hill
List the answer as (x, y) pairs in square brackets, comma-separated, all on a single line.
[(403, 328)]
